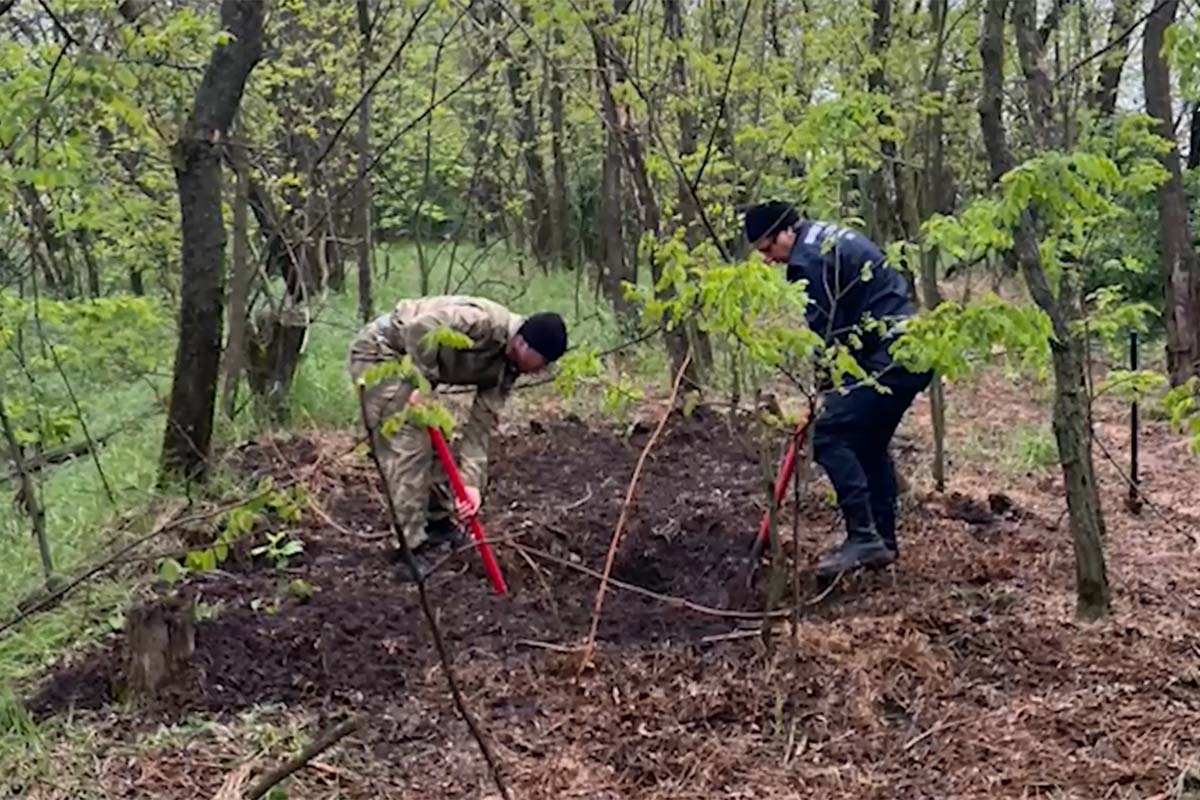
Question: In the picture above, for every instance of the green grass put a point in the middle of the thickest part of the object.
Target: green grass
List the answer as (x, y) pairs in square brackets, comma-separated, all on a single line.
[(1031, 449), (80, 514), (1018, 450)]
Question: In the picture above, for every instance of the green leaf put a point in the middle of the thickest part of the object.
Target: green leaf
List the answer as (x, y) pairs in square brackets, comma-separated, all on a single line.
[(445, 336), (301, 589), (171, 570), (292, 548)]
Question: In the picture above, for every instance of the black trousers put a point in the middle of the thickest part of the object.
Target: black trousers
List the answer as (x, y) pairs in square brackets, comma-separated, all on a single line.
[(851, 441)]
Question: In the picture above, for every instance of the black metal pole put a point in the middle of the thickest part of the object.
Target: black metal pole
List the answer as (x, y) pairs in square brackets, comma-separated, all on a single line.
[(1135, 495)]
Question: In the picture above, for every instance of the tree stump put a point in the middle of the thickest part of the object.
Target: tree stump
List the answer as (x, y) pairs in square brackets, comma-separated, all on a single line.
[(273, 347), (160, 638)]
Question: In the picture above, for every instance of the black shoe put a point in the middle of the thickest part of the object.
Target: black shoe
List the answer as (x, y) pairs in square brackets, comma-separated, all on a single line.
[(444, 531), (863, 549), (405, 574), (891, 544)]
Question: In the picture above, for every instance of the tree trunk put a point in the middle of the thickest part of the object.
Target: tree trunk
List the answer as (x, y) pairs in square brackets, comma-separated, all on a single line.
[(559, 203), (613, 269), (44, 243), (1037, 82), (880, 220), (1180, 266), (678, 340), (362, 192), (538, 200), (27, 496), (934, 198), (239, 292), (188, 437), (1104, 97), (84, 239), (1072, 427), (1193, 159)]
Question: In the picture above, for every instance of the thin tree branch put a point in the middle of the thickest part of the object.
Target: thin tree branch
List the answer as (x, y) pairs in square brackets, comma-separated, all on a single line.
[(629, 493), (318, 746), (93, 448), (379, 154), (27, 496), (673, 601), (427, 608), (1116, 41), (366, 93), (58, 24), (694, 185), (165, 523), (1137, 489)]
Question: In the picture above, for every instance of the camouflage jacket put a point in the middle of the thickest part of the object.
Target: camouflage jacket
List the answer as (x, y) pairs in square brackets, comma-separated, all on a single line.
[(484, 365)]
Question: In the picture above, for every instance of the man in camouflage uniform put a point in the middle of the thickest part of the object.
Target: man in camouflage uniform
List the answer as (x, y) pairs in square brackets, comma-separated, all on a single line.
[(504, 345)]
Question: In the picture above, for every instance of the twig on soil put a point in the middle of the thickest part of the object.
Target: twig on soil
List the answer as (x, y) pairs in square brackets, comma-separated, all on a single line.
[(828, 590), (438, 565), (545, 586), (616, 537), (1135, 487), (744, 633), (163, 524), (580, 501), (320, 511), (318, 746), (439, 644), (671, 600), (235, 782), (937, 728), (553, 647)]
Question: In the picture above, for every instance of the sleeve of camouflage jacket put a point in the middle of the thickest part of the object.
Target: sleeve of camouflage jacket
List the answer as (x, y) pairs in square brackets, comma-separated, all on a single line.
[(476, 435)]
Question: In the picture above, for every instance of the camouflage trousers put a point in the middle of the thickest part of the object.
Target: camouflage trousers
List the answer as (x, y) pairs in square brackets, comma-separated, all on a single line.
[(415, 479)]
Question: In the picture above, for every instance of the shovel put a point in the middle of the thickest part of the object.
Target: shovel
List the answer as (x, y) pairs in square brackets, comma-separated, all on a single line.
[(460, 493), (786, 469)]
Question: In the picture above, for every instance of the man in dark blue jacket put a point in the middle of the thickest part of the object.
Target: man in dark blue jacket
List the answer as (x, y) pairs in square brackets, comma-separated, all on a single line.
[(856, 300)]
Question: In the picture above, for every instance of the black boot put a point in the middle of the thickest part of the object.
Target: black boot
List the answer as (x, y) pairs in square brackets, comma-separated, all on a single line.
[(420, 560), (443, 530), (863, 549), (887, 532)]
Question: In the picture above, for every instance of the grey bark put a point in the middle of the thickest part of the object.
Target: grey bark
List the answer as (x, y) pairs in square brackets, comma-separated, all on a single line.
[(1072, 424), (613, 266), (362, 198), (559, 203), (1180, 266), (239, 290), (188, 437), (1104, 96), (27, 496), (934, 198)]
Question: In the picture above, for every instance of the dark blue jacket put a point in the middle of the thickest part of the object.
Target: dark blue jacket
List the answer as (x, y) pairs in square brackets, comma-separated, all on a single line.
[(833, 261)]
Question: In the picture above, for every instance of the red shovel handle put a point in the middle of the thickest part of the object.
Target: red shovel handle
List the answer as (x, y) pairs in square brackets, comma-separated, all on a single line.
[(781, 481), (460, 492)]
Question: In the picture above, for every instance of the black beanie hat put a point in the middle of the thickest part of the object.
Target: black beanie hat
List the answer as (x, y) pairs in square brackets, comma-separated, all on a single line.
[(546, 333), (768, 219)]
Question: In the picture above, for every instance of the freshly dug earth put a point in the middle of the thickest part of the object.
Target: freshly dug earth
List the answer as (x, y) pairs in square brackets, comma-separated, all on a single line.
[(957, 673)]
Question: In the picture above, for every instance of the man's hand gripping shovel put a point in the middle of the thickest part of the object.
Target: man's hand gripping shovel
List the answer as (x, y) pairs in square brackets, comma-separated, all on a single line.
[(460, 494)]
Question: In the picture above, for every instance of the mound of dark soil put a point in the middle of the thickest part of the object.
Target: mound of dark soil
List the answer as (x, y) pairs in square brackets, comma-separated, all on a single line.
[(956, 674)]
